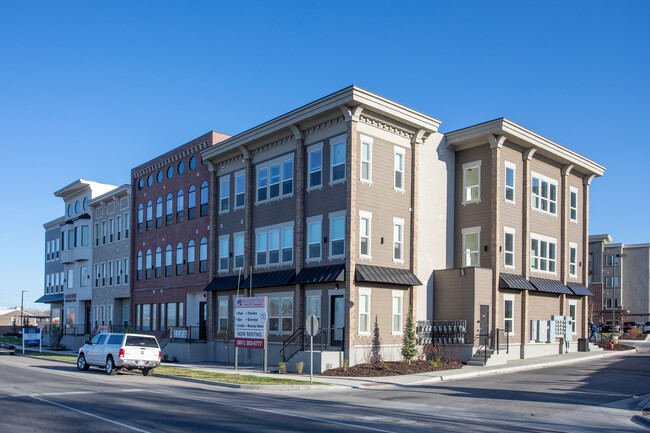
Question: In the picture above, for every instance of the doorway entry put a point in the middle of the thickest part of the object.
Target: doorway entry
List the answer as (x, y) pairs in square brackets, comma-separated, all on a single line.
[(202, 316), (337, 320), (484, 323)]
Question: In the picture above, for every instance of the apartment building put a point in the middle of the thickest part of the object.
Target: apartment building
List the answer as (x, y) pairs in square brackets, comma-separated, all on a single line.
[(170, 227), (111, 250), (621, 272), (521, 212), (54, 271)]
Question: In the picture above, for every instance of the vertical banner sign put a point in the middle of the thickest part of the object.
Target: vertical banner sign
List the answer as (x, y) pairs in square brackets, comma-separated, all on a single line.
[(250, 322)]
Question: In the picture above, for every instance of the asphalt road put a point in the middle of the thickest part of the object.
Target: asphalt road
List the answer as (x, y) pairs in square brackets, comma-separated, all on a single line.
[(598, 396)]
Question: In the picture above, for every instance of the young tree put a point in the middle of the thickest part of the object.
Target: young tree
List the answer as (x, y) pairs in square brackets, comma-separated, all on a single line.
[(375, 354), (409, 346), (226, 335)]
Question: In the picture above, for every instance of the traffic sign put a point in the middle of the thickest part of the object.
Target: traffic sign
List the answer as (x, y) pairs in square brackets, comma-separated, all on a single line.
[(311, 325)]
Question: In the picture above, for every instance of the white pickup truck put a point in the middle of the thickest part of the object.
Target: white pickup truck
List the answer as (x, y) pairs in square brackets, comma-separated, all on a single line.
[(113, 352)]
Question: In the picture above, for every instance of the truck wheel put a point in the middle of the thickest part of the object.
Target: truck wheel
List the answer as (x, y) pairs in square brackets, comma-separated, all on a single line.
[(110, 366), (81, 362), (147, 371)]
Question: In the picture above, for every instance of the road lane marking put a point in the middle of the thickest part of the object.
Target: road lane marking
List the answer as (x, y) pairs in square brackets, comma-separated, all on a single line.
[(90, 414), (341, 423)]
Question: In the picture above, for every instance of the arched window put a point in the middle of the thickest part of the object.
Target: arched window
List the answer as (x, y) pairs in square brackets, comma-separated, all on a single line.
[(147, 265), (149, 215), (159, 212), (140, 217), (170, 209), (139, 275), (168, 261), (203, 255), (190, 257), (204, 198), (191, 203), (158, 262), (179, 206), (179, 259)]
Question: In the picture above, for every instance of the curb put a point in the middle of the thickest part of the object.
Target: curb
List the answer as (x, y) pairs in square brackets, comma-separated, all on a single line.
[(250, 387)]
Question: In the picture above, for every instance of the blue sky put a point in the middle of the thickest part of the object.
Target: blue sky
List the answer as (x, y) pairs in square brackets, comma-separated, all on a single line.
[(91, 89)]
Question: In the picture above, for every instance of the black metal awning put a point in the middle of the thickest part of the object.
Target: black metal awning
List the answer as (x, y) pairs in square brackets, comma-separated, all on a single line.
[(49, 299), (514, 281), (321, 274), (270, 279), (550, 286), (579, 289), (386, 275), (223, 283)]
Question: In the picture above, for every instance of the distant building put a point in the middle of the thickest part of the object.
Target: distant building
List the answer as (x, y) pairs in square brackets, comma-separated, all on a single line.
[(10, 317)]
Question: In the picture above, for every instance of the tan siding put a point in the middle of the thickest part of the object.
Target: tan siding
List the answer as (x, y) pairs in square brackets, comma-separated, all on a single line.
[(511, 214), (543, 306), (513, 339), (575, 229)]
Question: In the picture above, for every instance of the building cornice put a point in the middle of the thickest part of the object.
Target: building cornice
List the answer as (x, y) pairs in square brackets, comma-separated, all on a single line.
[(76, 187), (117, 193), (54, 223)]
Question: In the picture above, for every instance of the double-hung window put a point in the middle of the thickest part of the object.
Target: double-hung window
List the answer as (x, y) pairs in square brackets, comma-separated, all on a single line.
[(337, 157), (224, 242), (287, 245), (274, 247), (573, 204), (168, 261), (365, 222), (191, 202), (139, 270), (366, 159), (118, 272), (170, 209), (543, 254), (364, 310), (204, 198), (191, 257), (239, 250), (224, 194), (472, 182), (203, 255), (179, 206), (240, 189), (509, 314), (471, 246), (573, 312), (84, 236), (509, 247), (147, 268), (400, 156), (159, 212), (149, 220), (573, 259), (140, 217), (118, 229), (179, 258), (315, 161), (398, 297), (314, 231), (510, 182), (398, 240), (223, 313), (544, 194), (313, 303), (97, 233), (337, 234)]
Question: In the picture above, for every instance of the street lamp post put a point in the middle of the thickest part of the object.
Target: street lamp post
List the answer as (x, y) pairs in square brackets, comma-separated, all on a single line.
[(22, 321)]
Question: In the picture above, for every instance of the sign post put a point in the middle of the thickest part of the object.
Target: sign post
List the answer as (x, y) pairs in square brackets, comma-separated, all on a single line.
[(250, 324), (311, 327)]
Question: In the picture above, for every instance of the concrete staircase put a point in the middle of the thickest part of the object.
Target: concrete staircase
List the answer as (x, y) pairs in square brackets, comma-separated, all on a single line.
[(493, 358)]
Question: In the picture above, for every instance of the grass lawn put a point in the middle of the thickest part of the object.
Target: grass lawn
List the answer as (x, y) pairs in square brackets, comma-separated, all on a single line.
[(11, 340)]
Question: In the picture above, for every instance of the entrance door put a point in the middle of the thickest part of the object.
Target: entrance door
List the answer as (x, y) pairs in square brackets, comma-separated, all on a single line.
[(337, 320), (88, 307), (202, 316), (484, 324)]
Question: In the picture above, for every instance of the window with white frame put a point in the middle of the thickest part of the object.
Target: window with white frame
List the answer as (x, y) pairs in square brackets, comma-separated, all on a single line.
[(509, 314), (365, 231), (398, 298), (398, 240), (471, 246), (274, 244), (223, 313), (313, 304), (366, 159), (240, 189), (337, 157), (204, 198), (126, 271), (543, 254), (573, 312), (239, 250), (70, 278), (612, 260), (364, 311), (314, 230), (118, 272), (400, 154), (510, 182), (275, 178), (337, 234), (280, 313), (287, 245), (544, 194), (315, 161), (611, 281), (509, 247), (573, 259), (472, 182), (573, 204), (224, 194), (274, 247), (168, 261)]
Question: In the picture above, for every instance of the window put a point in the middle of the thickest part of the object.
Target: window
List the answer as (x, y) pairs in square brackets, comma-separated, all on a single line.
[(612, 260), (472, 182), (509, 314), (544, 194), (224, 242), (159, 176), (275, 178), (314, 229), (399, 168), (573, 205), (365, 220), (118, 230), (337, 157), (139, 274), (147, 265), (204, 198), (84, 236), (573, 309), (280, 313), (509, 247), (170, 172), (172, 314), (118, 272), (274, 247), (109, 271), (111, 229), (542, 254), (168, 261), (170, 209), (287, 245), (179, 259), (471, 243), (366, 159), (83, 276), (140, 217), (364, 311), (126, 271), (611, 281), (224, 194), (239, 250), (179, 206), (192, 162), (191, 202), (146, 317), (270, 240), (510, 182), (337, 234), (398, 297), (149, 215), (104, 232), (102, 268), (203, 255), (181, 167), (76, 237), (57, 248), (158, 262), (223, 313), (102, 315), (573, 258), (398, 240), (126, 226), (240, 188), (159, 212), (315, 161), (190, 257), (313, 303)]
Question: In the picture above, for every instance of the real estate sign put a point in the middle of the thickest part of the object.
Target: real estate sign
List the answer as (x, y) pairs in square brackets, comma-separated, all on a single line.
[(250, 322)]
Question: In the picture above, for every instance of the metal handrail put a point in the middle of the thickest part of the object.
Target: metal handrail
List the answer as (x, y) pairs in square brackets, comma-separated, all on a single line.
[(493, 341), (298, 333)]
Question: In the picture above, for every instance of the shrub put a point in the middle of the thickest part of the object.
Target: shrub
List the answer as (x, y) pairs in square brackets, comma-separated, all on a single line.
[(299, 366), (174, 359), (282, 366)]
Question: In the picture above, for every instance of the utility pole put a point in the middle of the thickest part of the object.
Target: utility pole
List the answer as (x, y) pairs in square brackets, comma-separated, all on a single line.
[(22, 321)]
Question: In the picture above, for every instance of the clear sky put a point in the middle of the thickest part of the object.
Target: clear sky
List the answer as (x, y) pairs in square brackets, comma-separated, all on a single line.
[(91, 89)]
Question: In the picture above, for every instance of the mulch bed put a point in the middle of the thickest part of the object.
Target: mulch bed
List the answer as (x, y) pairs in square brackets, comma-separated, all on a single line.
[(391, 368), (634, 336), (617, 346)]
